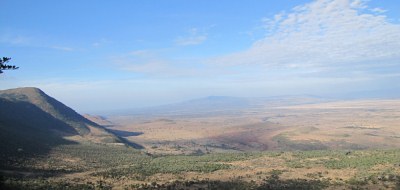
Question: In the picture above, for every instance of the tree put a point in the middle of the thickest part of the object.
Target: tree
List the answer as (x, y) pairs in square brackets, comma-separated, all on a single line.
[(4, 66)]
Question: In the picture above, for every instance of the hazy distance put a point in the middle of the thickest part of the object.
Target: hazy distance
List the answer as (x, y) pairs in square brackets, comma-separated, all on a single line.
[(144, 53)]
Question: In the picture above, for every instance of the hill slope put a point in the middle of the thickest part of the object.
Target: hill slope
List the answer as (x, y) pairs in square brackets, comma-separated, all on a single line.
[(31, 122)]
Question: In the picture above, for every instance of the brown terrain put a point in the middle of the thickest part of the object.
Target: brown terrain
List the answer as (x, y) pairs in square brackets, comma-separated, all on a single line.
[(330, 125), (213, 143)]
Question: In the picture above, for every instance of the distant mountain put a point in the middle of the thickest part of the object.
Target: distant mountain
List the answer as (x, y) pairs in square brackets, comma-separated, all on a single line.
[(221, 105), (211, 103), (385, 93), (205, 105), (31, 122)]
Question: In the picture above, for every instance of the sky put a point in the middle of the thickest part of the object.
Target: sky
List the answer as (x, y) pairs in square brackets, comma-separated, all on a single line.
[(110, 55)]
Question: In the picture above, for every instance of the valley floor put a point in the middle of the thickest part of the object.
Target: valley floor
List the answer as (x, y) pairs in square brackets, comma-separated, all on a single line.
[(339, 125), (331, 145), (91, 166)]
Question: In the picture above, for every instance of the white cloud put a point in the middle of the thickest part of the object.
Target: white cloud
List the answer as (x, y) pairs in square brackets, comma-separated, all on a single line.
[(151, 62), (157, 63), (14, 39), (101, 42), (19, 40), (62, 48), (323, 34), (358, 4), (194, 38), (140, 61), (378, 10)]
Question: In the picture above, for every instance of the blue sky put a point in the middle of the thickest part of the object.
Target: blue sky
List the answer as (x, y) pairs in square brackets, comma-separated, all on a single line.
[(104, 55)]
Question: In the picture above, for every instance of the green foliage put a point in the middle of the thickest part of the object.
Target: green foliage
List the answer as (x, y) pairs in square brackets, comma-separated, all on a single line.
[(96, 156), (364, 159), (39, 184), (119, 163), (335, 159), (276, 172), (176, 164), (287, 144), (270, 183), (296, 184), (4, 66)]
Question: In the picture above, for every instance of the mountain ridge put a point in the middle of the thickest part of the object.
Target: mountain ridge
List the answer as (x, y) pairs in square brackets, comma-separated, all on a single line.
[(32, 122), (48, 104)]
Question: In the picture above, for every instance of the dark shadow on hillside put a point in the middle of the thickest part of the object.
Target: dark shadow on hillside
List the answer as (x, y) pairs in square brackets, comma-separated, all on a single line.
[(123, 139), (26, 131), (33, 173), (131, 144), (125, 133), (299, 184), (271, 183)]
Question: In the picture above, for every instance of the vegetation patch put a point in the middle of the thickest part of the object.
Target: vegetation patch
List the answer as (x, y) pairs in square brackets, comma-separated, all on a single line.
[(285, 143)]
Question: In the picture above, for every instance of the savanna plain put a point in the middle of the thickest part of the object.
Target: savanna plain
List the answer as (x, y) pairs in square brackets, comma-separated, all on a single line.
[(280, 143)]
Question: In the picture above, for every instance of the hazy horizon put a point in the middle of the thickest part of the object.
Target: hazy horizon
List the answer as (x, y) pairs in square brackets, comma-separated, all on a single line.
[(100, 55)]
